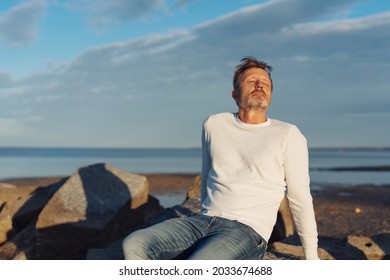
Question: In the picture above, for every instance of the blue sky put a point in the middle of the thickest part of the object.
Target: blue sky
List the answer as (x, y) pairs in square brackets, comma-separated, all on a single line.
[(116, 73)]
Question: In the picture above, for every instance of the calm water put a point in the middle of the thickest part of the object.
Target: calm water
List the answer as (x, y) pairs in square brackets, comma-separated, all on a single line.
[(37, 162), (339, 158), (33, 162)]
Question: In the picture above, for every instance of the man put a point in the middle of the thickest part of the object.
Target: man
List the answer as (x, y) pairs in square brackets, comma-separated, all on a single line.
[(249, 162)]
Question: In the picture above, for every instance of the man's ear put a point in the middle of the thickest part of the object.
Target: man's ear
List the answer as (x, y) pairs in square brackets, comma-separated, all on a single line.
[(236, 97)]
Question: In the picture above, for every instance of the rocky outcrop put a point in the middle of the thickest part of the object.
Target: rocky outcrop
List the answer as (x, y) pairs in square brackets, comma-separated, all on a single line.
[(89, 209), (87, 215), (95, 206)]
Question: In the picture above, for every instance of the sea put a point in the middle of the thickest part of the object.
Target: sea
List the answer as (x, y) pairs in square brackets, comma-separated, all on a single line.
[(328, 166)]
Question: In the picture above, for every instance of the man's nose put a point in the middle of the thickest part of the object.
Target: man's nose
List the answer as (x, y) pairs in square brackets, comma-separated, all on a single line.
[(258, 85)]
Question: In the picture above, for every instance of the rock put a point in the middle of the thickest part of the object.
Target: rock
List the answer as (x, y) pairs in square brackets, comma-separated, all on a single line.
[(285, 251), (383, 241), (335, 248), (284, 226), (20, 246), (7, 192), (112, 252), (374, 248), (93, 207), (339, 249), (5, 228), (12, 200), (193, 191), (32, 207)]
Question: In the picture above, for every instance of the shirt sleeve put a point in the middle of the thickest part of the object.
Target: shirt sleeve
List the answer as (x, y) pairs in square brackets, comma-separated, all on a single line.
[(296, 166)]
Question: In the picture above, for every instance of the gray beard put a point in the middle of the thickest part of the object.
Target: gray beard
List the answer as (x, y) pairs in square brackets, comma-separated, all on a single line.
[(254, 104)]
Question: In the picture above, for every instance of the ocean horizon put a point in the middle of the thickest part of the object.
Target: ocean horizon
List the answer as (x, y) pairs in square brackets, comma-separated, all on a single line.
[(328, 165)]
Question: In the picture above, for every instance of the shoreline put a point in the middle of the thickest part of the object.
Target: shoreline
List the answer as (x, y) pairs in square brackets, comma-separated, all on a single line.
[(172, 182), (341, 210), (160, 183)]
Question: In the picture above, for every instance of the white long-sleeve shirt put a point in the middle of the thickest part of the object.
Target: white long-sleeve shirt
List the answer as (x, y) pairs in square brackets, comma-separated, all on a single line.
[(248, 168)]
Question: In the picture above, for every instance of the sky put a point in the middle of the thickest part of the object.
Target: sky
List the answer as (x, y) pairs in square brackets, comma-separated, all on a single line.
[(147, 73)]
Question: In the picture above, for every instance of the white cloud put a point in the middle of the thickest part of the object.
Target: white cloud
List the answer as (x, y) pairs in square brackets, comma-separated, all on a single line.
[(107, 13), (19, 25), (5, 80), (156, 90), (15, 128), (341, 25)]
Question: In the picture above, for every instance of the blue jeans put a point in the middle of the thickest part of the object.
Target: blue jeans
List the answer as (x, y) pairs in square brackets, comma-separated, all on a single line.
[(197, 237)]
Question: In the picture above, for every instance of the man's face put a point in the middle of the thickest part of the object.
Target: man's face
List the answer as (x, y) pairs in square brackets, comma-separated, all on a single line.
[(254, 90)]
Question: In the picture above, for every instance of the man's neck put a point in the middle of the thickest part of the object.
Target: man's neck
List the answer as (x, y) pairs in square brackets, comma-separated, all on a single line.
[(252, 116)]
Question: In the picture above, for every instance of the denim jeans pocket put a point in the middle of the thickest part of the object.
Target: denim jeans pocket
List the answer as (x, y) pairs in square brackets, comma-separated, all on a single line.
[(258, 251), (257, 238)]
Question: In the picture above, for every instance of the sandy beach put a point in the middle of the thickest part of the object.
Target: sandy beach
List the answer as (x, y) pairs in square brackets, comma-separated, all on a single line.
[(340, 211)]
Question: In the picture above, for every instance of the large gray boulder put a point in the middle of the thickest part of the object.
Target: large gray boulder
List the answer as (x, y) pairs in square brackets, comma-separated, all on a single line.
[(93, 207)]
